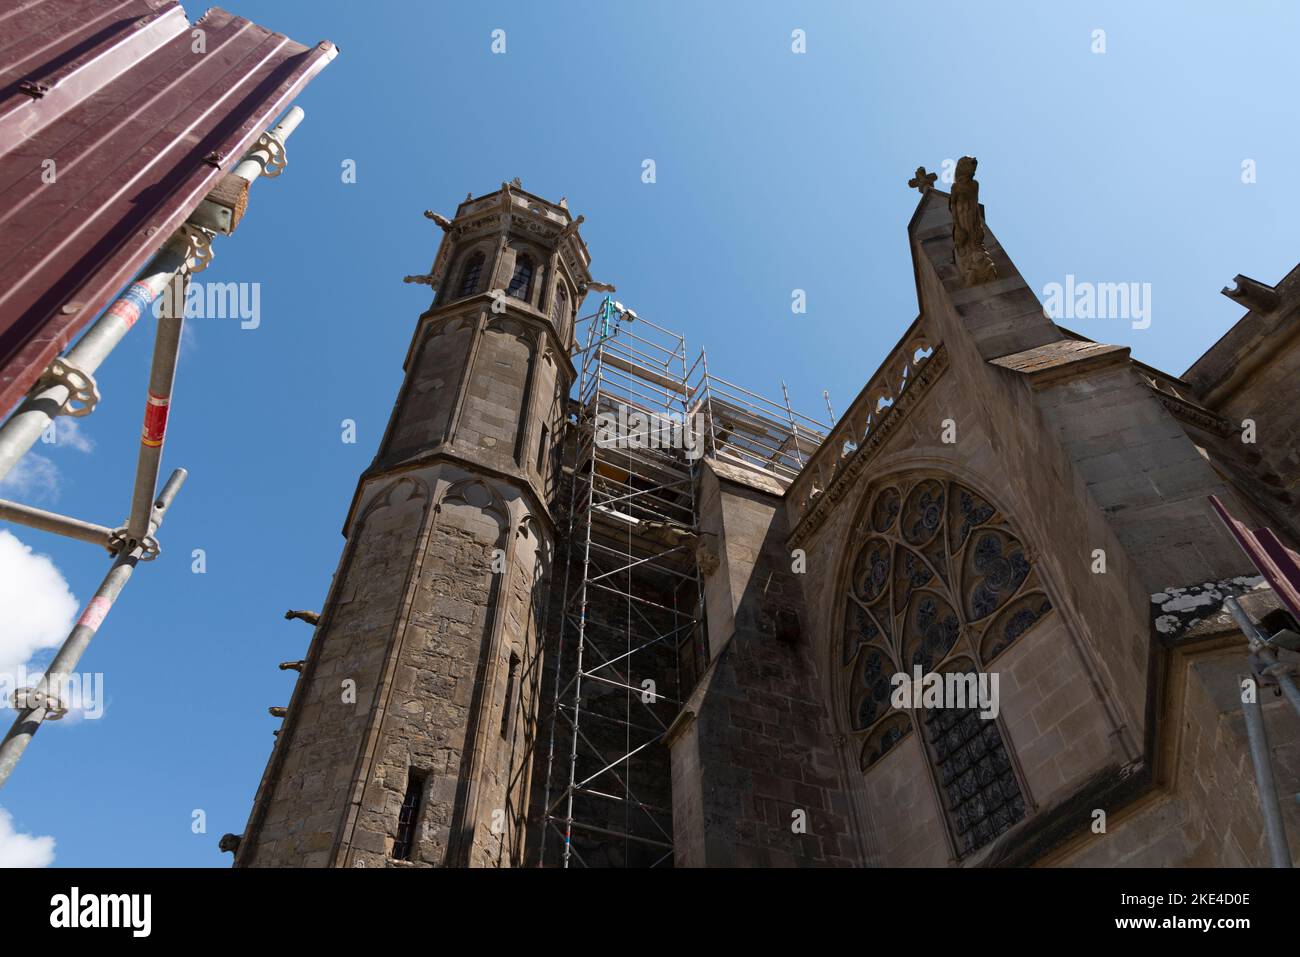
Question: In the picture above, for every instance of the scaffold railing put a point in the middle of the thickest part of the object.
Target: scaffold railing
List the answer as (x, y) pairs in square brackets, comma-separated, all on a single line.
[(751, 429)]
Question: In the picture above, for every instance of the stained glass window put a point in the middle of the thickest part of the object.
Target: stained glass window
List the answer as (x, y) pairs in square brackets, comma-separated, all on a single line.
[(939, 579)]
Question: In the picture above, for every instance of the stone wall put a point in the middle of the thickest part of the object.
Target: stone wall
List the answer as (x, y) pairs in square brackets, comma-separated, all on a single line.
[(756, 780), (410, 674), (422, 416), (1204, 810), (1253, 372), (308, 784)]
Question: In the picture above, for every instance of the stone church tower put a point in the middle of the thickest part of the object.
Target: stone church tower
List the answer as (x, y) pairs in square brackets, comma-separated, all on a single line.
[(410, 734)]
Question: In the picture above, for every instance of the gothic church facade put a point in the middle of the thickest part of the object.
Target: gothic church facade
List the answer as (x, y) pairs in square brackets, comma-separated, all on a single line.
[(1003, 498)]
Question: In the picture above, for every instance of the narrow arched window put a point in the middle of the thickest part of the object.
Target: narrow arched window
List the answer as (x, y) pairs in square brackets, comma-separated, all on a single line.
[(560, 307), (521, 283), (469, 276)]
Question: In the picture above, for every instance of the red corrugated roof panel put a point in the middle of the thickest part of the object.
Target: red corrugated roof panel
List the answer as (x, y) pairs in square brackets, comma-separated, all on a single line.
[(140, 120)]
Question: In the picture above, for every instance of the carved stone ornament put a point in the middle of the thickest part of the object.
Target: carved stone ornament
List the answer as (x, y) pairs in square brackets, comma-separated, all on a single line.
[(972, 259)]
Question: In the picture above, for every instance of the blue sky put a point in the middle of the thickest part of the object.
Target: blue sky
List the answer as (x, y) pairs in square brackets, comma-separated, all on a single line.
[(775, 171)]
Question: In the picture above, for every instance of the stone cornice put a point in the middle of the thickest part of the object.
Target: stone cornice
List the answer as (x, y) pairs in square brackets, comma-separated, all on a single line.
[(470, 306), (1193, 414), (538, 507)]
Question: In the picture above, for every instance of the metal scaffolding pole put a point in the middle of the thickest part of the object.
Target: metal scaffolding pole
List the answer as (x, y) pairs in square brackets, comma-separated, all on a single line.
[(1261, 645), (69, 386), (44, 702), (1274, 829), (58, 524), (162, 378)]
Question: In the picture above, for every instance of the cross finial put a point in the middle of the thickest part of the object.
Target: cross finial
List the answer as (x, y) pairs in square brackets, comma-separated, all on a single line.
[(922, 182)]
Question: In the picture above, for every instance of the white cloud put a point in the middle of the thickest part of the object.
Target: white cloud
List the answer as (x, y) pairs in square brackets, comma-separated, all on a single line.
[(68, 434), (23, 850), (38, 606), (34, 478)]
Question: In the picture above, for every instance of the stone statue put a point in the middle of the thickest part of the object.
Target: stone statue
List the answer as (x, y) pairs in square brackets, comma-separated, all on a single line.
[(973, 260), (230, 843), (310, 617)]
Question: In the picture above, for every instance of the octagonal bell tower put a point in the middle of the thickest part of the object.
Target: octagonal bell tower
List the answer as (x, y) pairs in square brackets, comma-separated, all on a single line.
[(488, 367), (410, 735)]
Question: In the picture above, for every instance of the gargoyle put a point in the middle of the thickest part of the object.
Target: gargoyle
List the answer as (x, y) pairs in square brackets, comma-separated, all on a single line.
[(572, 228), (666, 533), (441, 220), (310, 617)]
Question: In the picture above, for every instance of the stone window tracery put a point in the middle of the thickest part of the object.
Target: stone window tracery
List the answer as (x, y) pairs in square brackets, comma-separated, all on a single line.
[(940, 579)]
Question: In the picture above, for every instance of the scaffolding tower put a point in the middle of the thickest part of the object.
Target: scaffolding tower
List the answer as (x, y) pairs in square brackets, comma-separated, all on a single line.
[(631, 640)]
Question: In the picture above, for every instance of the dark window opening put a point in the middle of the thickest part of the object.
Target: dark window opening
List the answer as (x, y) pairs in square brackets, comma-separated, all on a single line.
[(408, 816), (508, 707), (521, 283), (541, 451), (470, 277), (560, 308)]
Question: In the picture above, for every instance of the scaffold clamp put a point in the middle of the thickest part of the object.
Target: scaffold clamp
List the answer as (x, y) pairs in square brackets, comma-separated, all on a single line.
[(197, 248), (277, 158), (119, 540), (29, 699), (83, 393)]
